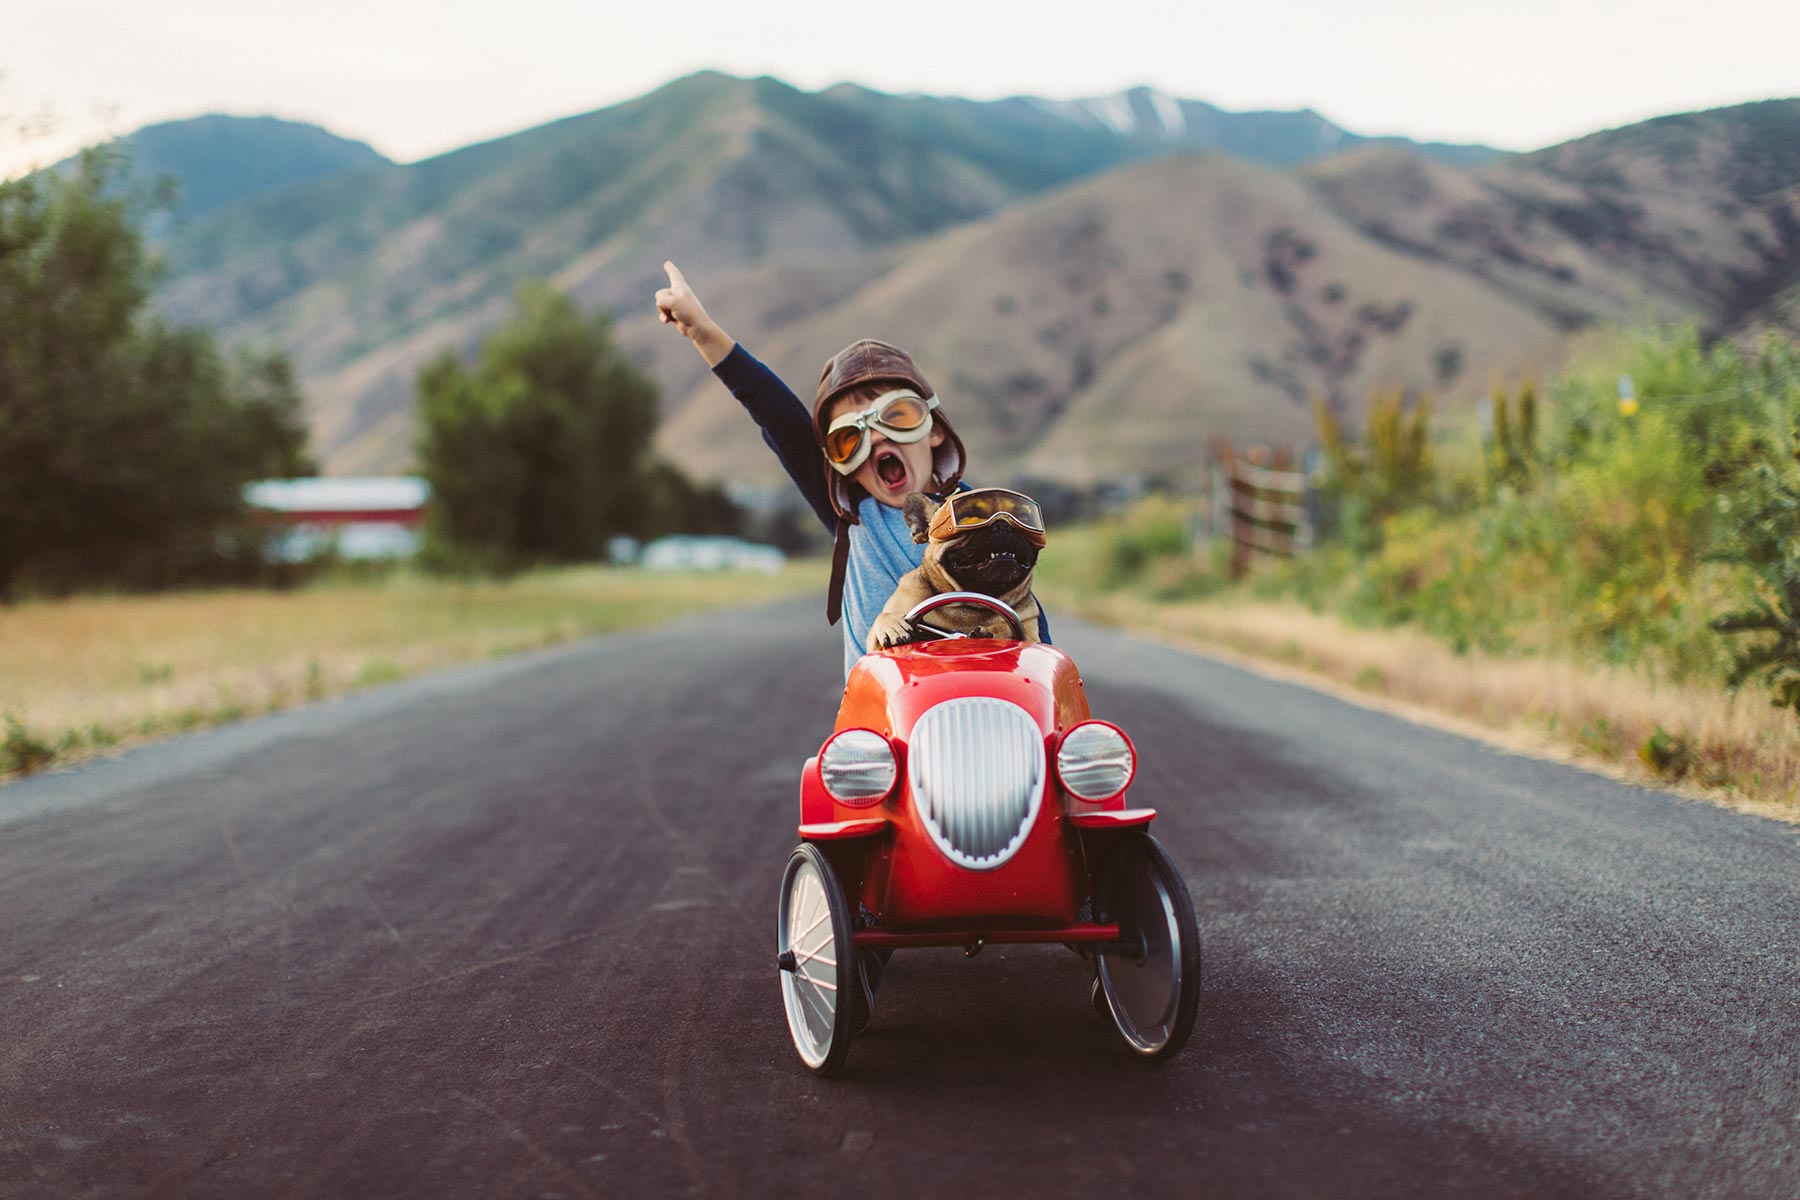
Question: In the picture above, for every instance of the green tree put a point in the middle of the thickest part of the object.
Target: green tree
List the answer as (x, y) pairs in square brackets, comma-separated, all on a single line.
[(271, 425), (124, 443), (540, 451)]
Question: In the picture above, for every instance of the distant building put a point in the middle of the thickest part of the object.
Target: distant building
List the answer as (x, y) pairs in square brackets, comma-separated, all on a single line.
[(353, 518), (688, 552)]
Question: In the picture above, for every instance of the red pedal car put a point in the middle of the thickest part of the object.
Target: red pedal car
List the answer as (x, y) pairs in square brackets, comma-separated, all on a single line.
[(965, 798)]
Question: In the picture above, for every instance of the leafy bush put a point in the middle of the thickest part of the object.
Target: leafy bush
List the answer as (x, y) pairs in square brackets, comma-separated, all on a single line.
[(1763, 539), (1580, 526), (1631, 523), (1666, 754), (1430, 572), (22, 751), (1603, 537), (1155, 528), (1716, 399)]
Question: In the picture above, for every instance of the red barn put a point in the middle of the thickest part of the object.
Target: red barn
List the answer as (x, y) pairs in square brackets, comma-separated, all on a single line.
[(355, 518)]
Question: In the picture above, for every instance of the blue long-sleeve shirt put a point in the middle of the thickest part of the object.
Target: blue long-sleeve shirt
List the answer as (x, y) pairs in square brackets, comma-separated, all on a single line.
[(881, 547)]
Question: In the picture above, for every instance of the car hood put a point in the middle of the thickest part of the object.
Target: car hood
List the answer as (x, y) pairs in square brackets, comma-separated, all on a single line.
[(887, 691)]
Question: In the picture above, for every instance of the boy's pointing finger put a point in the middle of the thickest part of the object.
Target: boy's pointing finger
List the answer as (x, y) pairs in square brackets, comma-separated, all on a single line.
[(676, 278)]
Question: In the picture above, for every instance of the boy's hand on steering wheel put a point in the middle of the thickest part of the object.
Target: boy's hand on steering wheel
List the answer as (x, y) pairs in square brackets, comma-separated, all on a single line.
[(678, 306)]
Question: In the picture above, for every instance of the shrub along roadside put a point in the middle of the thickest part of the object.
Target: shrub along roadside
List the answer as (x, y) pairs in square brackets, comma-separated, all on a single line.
[(1763, 538), (1651, 537)]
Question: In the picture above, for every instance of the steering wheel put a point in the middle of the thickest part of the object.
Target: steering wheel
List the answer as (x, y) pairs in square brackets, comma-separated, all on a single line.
[(944, 599)]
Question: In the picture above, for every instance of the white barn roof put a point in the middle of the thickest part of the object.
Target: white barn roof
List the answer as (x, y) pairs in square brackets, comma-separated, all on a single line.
[(347, 495)]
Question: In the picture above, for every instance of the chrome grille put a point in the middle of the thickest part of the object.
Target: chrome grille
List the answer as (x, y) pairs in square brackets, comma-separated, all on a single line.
[(976, 766)]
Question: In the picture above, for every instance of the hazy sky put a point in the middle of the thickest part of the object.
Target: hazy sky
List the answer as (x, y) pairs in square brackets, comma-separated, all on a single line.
[(415, 78)]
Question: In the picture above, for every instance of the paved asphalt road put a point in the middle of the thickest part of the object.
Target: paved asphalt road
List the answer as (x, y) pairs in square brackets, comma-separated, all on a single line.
[(506, 931)]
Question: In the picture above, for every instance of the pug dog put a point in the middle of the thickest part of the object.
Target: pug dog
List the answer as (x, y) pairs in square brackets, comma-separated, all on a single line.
[(995, 559)]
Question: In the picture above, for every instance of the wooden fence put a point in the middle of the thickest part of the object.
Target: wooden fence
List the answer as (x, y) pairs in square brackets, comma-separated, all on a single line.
[(1260, 503)]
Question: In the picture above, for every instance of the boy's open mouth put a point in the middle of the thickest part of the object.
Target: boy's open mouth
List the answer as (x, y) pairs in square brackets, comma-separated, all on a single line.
[(890, 468)]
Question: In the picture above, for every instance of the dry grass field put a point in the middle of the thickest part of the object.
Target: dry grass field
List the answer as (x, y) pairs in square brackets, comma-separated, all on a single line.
[(1702, 741), (84, 675)]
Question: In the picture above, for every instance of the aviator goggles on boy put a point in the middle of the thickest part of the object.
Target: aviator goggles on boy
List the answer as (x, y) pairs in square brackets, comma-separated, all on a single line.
[(964, 511), (903, 415)]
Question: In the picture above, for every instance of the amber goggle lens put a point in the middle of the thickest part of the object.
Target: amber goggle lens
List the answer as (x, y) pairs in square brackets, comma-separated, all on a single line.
[(969, 509), (901, 415), (842, 444)]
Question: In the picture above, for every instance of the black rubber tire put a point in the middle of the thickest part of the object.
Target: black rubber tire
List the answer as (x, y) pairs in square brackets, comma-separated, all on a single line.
[(830, 1041), (1141, 888)]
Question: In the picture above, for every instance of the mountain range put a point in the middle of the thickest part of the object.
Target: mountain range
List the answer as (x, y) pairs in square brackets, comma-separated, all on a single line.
[(1094, 287), (218, 160)]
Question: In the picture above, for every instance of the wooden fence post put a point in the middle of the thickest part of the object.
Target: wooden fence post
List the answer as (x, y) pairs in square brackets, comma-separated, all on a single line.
[(1264, 499)]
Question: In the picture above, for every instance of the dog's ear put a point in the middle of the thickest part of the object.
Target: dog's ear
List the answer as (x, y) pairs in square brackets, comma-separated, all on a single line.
[(919, 509)]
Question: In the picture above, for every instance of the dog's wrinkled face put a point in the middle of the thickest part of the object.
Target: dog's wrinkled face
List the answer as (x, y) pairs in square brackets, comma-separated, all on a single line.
[(993, 560)]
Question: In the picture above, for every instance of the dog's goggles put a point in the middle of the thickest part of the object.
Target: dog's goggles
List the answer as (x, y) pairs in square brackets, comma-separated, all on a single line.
[(964, 511), (903, 415)]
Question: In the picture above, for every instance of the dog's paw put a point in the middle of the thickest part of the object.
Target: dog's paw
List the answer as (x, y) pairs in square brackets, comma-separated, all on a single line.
[(888, 632)]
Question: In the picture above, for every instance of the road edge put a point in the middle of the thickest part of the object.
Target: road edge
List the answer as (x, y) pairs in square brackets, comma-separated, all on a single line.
[(1511, 740)]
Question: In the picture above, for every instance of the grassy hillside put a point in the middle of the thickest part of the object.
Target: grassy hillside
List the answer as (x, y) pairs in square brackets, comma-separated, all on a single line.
[(363, 276), (1696, 213), (1118, 324), (1087, 312)]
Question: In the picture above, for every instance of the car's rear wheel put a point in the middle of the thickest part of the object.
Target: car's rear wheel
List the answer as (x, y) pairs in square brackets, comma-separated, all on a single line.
[(817, 960), (1152, 983)]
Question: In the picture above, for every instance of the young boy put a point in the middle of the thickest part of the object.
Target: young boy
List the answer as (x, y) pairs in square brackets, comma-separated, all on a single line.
[(876, 433)]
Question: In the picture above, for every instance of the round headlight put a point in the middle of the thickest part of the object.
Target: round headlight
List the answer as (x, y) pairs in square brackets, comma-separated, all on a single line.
[(1095, 761), (858, 766)]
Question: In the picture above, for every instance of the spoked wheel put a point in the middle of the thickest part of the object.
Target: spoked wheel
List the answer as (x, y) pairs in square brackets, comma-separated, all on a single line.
[(817, 959), (1152, 987)]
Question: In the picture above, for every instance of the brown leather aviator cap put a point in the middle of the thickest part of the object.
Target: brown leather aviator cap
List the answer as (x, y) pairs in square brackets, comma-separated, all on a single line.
[(870, 361), (864, 362)]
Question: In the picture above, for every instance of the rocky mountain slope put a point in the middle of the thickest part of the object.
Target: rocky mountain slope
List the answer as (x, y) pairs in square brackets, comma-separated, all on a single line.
[(1091, 294), (1117, 325), (365, 274)]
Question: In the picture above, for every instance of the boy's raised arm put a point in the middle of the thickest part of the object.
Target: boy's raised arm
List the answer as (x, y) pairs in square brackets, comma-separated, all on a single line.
[(678, 306), (786, 424)]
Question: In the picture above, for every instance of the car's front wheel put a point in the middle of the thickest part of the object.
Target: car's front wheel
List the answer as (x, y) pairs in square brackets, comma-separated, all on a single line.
[(817, 961), (1151, 983)]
